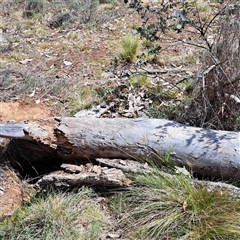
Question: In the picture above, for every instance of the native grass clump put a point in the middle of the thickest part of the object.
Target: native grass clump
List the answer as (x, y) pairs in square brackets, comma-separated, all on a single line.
[(57, 215), (171, 206), (128, 48), (140, 81), (83, 98)]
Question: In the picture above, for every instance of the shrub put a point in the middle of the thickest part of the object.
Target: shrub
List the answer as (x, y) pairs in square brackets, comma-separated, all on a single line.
[(219, 99), (216, 97)]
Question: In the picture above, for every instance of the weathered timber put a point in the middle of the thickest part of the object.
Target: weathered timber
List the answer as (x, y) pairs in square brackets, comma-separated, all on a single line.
[(207, 152), (126, 165), (89, 174)]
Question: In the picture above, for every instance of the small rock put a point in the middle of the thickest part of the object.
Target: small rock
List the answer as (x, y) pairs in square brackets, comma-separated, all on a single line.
[(113, 235)]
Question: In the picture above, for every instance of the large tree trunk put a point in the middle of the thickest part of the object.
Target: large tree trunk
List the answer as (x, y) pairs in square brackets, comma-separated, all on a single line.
[(67, 140)]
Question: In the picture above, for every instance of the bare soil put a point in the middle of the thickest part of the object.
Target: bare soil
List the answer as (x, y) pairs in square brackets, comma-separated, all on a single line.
[(20, 111), (52, 65), (12, 192)]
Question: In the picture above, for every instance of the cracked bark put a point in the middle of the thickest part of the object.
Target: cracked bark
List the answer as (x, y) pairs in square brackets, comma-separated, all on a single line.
[(55, 141)]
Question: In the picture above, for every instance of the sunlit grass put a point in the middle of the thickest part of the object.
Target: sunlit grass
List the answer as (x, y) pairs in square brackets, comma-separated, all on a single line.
[(84, 98), (172, 207), (57, 215), (129, 48)]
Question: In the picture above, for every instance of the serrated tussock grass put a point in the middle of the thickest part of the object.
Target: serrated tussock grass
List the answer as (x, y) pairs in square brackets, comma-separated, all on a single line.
[(129, 48), (164, 206), (58, 215)]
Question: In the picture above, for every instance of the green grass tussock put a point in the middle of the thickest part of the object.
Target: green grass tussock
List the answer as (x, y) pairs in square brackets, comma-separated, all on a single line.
[(162, 206), (140, 81), (129, 48), (57, 215)]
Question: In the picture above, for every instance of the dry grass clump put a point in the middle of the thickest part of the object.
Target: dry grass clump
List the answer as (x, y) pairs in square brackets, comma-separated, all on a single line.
[(83, 98), (129, 48)]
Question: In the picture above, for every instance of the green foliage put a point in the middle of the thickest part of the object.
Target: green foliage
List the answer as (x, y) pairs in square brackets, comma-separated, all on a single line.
[(167, 156), (56, 216), (189, 85), (169, 15), (172, 206), (129, 48), (155, 113), (170, 94), (106, 1)]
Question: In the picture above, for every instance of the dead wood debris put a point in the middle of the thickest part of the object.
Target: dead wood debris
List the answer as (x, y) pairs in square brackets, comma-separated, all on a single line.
[(126, 165), (113, 176), (89, 174)]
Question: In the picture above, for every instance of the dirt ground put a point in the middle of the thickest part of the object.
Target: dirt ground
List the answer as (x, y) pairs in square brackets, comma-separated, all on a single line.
[(52, 65), (12, 192), (20, 111)]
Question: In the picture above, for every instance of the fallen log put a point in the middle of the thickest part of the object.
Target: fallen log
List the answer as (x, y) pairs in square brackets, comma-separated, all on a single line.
[(65, 140)]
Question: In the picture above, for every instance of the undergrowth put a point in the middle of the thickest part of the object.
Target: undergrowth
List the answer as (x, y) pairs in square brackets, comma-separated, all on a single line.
[(164, 206), (57, 215)]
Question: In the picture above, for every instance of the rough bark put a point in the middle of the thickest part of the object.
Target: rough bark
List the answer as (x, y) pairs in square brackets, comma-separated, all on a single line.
[(59, 140)]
